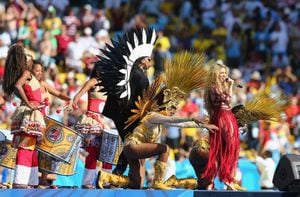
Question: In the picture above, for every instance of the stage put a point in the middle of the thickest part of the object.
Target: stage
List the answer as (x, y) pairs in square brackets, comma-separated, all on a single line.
[(139, 193)]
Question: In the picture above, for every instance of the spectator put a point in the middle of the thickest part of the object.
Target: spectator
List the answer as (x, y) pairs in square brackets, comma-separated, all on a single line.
[(266, 167)]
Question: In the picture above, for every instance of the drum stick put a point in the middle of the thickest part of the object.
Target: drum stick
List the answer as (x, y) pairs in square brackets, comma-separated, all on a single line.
[(60, 109)]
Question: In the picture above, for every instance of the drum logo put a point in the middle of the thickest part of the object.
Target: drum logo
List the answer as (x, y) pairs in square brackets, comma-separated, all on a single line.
[(54, 134)]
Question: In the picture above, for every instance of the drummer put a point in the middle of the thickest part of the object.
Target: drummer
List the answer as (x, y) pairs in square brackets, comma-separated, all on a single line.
[(27, 121), (91, 125), (47, 92)]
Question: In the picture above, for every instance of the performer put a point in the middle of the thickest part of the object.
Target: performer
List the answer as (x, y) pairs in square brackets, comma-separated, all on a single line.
[(47, 91), (91, 125), (27, 120), (224, 145), (124, 78), (153, 110)]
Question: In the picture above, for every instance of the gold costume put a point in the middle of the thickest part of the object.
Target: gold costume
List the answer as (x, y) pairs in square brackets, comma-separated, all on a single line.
[(150, 129)]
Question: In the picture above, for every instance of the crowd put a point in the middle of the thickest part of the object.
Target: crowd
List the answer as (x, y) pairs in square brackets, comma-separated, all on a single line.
[(258, 39)]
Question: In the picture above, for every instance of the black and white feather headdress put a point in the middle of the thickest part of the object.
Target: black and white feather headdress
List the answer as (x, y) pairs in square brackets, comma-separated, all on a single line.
[(119, 57)]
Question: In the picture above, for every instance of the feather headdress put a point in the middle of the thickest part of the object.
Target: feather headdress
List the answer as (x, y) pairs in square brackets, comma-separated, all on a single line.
[(260, 107), (119, 57), (186, 71)]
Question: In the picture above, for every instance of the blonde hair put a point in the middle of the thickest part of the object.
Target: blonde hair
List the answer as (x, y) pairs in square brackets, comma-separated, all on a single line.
[(214, 81)]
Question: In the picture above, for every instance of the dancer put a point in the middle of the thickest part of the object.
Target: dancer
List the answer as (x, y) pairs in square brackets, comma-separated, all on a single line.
[(224, 145), (47, 91), (27, 121), (91, 125), (124, 78), (153, 111)]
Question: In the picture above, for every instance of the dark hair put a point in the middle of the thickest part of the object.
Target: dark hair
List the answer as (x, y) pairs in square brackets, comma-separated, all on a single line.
[(268, 154), (36, 62), (15, 65), (138, 81)]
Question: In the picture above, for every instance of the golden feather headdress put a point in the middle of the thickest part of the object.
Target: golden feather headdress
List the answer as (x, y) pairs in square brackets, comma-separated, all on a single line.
[(260, 107), (184, 73)]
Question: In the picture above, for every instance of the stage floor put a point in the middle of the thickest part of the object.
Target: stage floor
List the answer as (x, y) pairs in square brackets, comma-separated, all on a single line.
[(139, 193)]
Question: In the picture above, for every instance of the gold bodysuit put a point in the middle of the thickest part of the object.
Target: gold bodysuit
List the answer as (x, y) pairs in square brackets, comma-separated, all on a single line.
[(149, 131)]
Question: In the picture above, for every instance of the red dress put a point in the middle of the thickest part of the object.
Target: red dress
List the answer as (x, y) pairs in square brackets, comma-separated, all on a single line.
[(26, 123), (224, 143)]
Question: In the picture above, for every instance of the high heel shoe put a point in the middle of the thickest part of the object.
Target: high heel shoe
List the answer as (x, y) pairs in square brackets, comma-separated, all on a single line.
[(235, 187)]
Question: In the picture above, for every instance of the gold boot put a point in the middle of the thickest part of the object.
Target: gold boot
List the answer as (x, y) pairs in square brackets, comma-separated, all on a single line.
[(117, 180), (188, 183), (159, 173), (235, 187)]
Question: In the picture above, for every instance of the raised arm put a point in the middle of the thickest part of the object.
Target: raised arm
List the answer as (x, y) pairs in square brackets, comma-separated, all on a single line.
[(86, 87), (55, 92)]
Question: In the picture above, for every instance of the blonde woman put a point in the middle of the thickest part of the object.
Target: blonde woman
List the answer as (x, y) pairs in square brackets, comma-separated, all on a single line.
[(224, 144)]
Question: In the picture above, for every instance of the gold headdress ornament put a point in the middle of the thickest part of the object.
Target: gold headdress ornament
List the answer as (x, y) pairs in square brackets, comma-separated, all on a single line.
[(260, 107), (184, 73)]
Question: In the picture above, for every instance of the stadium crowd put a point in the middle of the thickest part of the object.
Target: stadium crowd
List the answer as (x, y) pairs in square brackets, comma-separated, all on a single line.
[(258, 39)]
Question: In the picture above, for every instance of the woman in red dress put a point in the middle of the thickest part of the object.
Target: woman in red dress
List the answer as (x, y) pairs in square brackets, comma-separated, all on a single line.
[(27, 121), (91, 125), (224, 143)]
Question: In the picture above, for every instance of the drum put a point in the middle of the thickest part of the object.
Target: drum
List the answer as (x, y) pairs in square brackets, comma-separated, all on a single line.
[(7, 152), (59, 142), (111, 147), (53, 166)]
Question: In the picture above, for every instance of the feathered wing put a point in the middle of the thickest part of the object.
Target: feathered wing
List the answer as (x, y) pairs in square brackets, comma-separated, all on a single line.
[(147, 102), (260, 107)]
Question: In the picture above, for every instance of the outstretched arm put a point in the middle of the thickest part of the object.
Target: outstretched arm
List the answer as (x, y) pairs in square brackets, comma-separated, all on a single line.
[(55, 92), (183, 122), (86, 87)]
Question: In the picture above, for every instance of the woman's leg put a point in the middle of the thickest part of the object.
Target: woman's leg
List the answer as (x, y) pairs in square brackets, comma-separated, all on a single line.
[(26, 171), (146, 150), (136, 173), (90, 171)]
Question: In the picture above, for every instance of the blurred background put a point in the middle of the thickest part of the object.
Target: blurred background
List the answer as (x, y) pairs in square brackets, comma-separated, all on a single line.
[(258, 39)]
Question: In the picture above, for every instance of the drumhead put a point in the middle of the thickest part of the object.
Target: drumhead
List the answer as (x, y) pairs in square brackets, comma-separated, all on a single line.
[(47, 118), (7, 134), (2, 137), (111, 131)]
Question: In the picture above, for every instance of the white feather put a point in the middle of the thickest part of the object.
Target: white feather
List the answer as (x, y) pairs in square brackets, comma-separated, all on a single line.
[(144, 37), (129, 46), (136, 40), (153, 38), (124, 94)]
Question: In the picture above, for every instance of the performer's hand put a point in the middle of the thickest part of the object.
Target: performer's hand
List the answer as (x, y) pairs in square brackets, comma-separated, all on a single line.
[(33, 106), (230, 81), (69, 106), (211, 127)]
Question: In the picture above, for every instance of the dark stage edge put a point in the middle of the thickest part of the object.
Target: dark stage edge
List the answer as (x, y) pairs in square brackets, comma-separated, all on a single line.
[(139, 193)]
